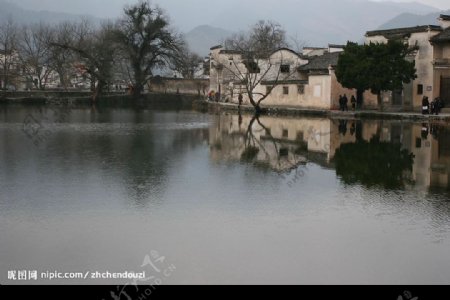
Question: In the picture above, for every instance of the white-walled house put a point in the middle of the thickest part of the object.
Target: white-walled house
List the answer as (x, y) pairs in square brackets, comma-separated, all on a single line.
[(432, 61), (304, 80)]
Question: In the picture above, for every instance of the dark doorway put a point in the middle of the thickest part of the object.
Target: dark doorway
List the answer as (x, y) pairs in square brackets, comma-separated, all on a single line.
[(445, 90), (397, 97)]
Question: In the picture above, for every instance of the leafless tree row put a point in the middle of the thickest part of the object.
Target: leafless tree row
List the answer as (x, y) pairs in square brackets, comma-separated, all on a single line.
[(129, 48)]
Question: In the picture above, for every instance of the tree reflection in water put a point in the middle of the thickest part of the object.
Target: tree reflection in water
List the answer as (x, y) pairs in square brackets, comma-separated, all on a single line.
[(278, 154), (373, 163)]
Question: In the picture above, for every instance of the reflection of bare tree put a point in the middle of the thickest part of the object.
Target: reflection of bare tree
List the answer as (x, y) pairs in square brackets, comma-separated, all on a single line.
[(262, 148)]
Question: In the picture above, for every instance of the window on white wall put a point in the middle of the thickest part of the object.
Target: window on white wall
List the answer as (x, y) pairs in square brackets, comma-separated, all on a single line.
[(301, 89), (285, 68), (285, 90)]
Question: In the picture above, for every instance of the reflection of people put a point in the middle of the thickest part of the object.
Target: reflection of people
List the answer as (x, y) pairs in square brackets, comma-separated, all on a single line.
[(425, 105), (424, 131), (343, 127), (434, 130), (352, 129)]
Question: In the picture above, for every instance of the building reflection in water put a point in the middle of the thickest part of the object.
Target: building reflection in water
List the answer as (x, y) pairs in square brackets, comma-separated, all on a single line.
[(390, 154)]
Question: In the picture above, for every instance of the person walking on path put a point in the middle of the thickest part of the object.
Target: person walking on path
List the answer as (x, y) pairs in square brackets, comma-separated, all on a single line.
[(345, 101), (341, 103), (240, 100), (435, 106), (353, 101)]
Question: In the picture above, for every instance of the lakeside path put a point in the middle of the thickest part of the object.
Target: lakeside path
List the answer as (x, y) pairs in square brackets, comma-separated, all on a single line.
[(335, 114)]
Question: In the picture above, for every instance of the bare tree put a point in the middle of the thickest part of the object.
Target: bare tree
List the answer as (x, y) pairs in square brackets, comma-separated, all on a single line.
[(256, 63), (34, 52), (296, 43), (144, 36), (8, 55), (94, 50), (62, 59), (188, 63)]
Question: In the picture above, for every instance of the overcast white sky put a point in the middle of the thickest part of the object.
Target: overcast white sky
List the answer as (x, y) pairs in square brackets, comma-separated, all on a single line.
[(112, 8), (442, 4)]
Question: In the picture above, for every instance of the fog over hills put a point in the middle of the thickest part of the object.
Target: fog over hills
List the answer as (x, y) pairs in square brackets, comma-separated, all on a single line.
[(207, 22)]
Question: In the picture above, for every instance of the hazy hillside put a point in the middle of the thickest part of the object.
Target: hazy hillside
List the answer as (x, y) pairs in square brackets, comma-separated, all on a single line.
[(409, 20), (201, 38)]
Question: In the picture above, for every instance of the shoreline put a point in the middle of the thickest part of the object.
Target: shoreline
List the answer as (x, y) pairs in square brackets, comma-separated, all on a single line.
[(334, 114), (82, 98)]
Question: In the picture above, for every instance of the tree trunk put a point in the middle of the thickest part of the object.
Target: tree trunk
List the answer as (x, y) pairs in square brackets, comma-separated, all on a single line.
[(98, 91), (360, 97), (380, 101), (138, 80)]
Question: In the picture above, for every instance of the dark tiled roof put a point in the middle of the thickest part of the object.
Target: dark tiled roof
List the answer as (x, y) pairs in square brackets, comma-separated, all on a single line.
[(315, 48), (401, 32), (286, 49), (3, 52), (229, 52), (444, 36), (335, 46), (322, 62), (287, 81), (444, 17), (216, 47)]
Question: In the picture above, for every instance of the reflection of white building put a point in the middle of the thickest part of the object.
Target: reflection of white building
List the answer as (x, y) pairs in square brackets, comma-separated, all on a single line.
[(286, 143), (283, 142)]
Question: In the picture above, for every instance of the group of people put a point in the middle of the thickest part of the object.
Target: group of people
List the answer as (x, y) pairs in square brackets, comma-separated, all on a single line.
[(213, 96), (343, 103), (433, 108)]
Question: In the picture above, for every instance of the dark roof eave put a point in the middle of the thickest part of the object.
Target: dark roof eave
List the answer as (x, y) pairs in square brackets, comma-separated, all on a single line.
[(405, 30), (443, 37), (216, 47), (276, 82)]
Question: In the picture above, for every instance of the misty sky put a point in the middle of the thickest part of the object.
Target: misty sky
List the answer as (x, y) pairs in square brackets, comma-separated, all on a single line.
[(175, 8)]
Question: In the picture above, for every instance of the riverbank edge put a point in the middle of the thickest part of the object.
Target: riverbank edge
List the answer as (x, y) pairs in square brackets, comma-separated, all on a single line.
[(334, 114), (68, 99)]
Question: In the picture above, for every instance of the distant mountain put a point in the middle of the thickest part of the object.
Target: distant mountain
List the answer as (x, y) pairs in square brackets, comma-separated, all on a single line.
[(203, 37), (317, 22), (206, 23), (25, 16), (410, 20)]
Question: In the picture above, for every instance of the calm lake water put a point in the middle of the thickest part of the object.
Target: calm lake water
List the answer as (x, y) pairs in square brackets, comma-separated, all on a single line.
[(222, 198)]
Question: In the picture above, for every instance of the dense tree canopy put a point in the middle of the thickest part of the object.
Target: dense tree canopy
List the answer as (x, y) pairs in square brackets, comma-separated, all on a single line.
[(373, 163), (375, 67)]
